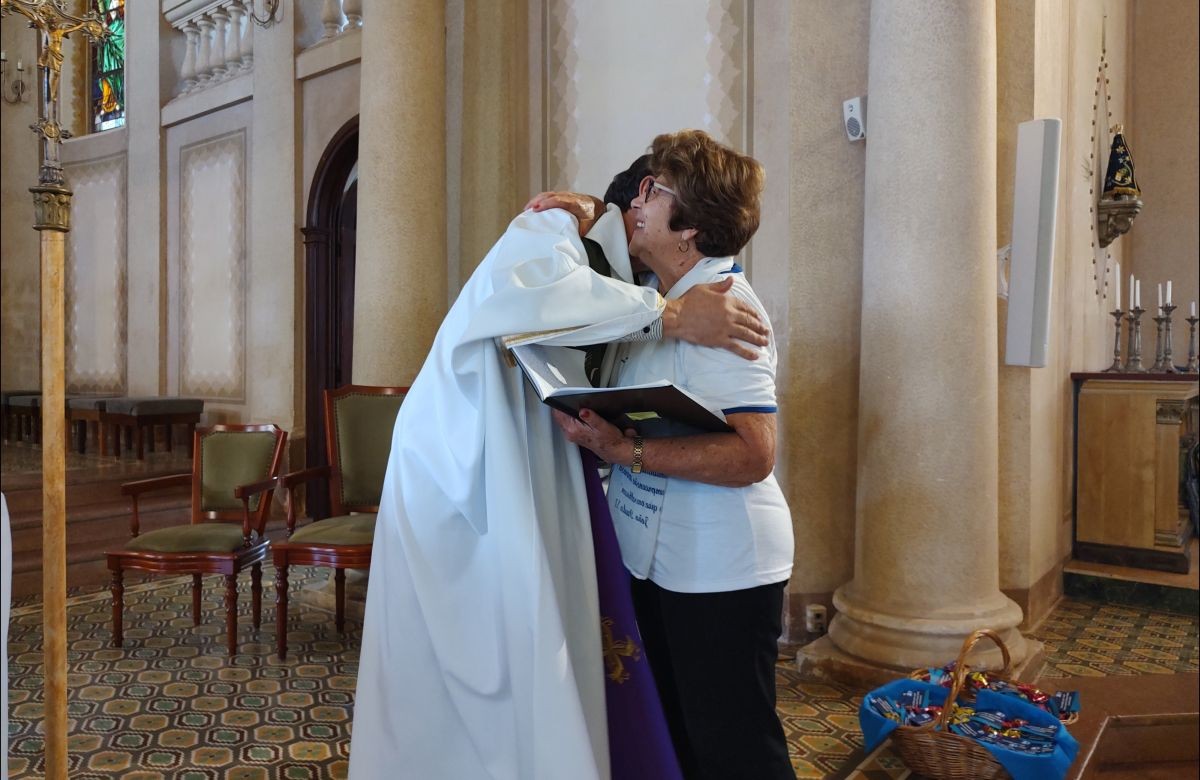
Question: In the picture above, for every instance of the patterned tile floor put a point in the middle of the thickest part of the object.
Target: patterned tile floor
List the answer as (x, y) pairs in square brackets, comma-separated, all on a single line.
[(172, 705)]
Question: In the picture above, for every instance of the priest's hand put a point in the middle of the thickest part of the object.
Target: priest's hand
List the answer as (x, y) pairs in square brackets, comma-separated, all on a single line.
[(585, 208), (707, 315), (598, 435)]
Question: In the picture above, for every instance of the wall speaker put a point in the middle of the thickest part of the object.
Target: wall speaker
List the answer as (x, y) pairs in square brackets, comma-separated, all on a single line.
[(854, 117), (1035, 206)]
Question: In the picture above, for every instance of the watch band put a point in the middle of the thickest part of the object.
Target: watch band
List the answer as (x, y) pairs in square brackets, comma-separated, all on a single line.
[(638, 444)]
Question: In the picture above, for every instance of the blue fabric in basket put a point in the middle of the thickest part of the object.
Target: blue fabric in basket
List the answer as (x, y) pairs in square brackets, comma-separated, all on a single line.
[(1022, 766)]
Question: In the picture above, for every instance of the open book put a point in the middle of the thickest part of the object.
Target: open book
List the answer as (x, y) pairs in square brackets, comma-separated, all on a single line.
[(653, 409)]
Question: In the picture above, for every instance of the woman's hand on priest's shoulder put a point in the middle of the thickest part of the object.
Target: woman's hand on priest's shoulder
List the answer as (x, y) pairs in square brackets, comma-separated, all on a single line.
[(585, 208)]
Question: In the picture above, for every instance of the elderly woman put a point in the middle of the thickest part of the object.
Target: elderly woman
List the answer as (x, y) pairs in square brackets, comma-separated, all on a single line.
[(703, 526)]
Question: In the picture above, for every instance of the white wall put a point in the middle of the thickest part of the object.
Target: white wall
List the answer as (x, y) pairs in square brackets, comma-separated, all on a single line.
[(618, 73)]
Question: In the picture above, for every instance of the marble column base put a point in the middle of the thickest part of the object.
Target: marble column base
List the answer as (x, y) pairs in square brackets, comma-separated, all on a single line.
[(896, 641)]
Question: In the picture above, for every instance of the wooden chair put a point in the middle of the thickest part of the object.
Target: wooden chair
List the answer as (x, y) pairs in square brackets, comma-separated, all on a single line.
[(226, 460), (358, 435)]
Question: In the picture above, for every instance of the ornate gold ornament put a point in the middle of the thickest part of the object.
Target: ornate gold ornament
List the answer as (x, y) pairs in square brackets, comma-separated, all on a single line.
[(615, 650), (51, 207)]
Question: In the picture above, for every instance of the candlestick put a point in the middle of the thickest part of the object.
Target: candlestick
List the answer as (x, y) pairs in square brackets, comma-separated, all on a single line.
[(1133, 362), (1193, 364), (1158, 366), (1168, 359), (1116, 315)]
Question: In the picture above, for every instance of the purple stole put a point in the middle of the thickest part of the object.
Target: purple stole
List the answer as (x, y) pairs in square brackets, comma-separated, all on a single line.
[(639, 744)]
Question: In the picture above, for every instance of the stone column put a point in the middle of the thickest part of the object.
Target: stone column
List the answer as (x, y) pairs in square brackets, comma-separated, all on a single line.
[(494, 157), (926, 546), (146, 198), (217, 56), (204, 55), (400, 268), (274, 241), (233, 39), (188, 71), (331, 17), (247, 41)]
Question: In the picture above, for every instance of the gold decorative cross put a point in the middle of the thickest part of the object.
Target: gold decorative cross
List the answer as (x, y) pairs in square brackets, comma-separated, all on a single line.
[(615, 650), (55, 23)]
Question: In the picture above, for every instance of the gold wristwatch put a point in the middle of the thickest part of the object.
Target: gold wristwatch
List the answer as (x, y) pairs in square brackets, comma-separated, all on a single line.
[(636, 466)]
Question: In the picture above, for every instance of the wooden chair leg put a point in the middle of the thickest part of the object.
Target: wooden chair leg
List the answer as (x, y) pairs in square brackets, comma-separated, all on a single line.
[(150, 432), (118, 607), (137, 442), (102, 437), (190, 437), (231, 595), (256, 593), (281, 609), (168, 426), (339, 588), (196, 592)]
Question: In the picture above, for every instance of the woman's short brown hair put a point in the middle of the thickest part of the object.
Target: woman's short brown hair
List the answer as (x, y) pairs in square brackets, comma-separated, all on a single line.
[(719, 190)]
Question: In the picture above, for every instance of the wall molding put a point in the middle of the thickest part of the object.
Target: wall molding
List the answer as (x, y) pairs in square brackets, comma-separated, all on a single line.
[(83, 374), (197, 255)]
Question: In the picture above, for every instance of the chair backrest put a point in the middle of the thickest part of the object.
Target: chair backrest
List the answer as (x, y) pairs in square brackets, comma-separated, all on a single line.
[(358, 434), (225, 456)]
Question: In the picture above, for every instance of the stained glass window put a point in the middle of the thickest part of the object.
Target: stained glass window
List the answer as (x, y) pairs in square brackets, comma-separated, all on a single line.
[(108, 69)]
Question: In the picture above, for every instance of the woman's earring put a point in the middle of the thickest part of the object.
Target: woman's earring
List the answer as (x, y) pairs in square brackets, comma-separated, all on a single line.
[(683, 246)]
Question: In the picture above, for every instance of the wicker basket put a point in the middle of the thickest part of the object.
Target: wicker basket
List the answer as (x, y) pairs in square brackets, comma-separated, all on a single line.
[(967, 694), (934, 751)]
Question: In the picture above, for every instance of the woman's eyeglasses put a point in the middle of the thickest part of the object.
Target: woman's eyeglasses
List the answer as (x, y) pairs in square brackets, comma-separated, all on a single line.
[(652, 189)]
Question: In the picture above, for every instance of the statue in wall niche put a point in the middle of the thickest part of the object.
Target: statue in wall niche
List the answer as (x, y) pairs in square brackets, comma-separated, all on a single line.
[(1120, 200)]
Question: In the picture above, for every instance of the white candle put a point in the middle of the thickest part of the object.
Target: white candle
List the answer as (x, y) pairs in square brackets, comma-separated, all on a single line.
[(1137, 294), (1117, 279), (20, 65), (1193, 308), (1160, 297), (1168, 293)]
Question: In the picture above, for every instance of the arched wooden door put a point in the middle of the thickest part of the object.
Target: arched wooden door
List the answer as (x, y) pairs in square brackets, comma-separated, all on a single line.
[(329, 248)]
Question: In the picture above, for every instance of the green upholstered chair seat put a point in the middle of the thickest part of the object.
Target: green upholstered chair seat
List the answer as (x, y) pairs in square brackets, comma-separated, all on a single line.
[(197, 537), (346, 529)]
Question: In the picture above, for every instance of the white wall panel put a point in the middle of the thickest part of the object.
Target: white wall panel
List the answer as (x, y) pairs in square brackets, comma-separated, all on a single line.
[(212, 267), (620, 72), (96, 297)]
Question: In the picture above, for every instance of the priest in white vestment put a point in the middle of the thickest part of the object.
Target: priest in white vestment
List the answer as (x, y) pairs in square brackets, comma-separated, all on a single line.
[(481, 654)]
